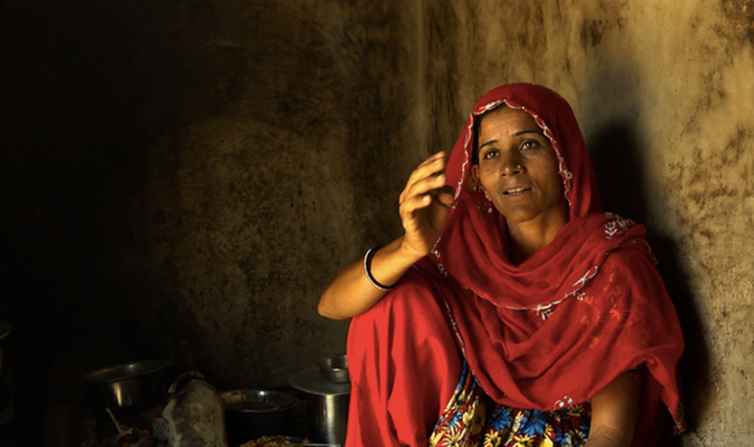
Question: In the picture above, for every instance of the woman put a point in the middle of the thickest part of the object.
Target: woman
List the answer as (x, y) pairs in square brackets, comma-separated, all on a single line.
[(518, 312)]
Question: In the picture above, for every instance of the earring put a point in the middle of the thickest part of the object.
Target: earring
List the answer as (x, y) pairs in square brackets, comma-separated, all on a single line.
[(484, 191)]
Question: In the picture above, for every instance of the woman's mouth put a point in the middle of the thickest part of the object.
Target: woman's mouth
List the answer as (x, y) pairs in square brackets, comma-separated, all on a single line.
[(516, 191)]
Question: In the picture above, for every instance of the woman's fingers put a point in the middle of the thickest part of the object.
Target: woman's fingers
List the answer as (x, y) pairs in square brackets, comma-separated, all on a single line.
[(424, 187), (431, 162), (427, 168), (412, 204), (423, 214), (425, 177), (420, 220), (445, 195), (420, 195), (440, 209)]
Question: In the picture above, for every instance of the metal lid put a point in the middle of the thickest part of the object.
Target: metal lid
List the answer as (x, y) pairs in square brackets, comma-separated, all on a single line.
[(127, 371), (258, 401), (313, 382)]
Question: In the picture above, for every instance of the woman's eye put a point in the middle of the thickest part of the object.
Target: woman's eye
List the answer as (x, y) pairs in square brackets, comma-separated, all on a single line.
[(490, 154), (529, 144)]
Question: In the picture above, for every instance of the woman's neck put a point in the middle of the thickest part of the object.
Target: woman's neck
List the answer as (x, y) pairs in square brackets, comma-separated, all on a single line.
[(528, 238)]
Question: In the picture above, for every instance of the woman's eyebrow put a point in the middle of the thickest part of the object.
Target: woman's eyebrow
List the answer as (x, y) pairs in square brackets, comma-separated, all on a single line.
[(517, 134), (487, 144)]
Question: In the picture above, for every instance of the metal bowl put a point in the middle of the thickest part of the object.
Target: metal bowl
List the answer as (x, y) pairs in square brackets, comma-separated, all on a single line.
[(129, 387), (251, 413), (334, 368)]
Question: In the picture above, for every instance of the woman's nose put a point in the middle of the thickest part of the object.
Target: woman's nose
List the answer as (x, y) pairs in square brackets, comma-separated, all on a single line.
[(511, 165)]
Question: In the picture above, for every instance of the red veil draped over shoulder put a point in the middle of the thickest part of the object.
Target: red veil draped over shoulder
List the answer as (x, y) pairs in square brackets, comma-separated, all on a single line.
[(545, 334)]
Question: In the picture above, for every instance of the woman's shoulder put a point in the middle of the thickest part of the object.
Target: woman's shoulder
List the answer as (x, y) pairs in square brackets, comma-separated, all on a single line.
[(630, 270)]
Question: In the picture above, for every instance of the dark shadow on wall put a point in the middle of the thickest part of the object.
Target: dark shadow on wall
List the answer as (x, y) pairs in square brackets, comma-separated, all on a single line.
[(74, 134), (616, 153)]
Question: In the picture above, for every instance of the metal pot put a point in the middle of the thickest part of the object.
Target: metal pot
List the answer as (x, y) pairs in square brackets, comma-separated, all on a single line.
[(252, 413), (129, 388), (327, 417), (326, 405)]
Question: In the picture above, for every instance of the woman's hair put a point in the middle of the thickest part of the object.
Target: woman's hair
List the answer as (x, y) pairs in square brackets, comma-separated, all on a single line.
[(475, 153), (477, 130)]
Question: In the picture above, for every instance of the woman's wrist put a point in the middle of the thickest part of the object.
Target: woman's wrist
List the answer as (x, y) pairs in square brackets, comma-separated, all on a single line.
[(367, 265), (389, 263), (407, 253)]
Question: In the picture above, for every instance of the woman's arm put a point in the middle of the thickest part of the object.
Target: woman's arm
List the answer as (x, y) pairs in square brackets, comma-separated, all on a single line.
[(351, 293), (423, 215), (614, 411)]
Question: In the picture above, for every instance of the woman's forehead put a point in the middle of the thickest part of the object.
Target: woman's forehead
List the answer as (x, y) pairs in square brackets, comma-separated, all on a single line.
[(503, 117)]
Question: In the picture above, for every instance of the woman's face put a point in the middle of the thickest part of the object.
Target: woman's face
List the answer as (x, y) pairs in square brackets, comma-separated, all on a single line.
[(518, 169)]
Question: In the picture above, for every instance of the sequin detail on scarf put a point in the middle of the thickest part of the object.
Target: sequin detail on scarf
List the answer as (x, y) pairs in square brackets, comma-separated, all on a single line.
[(472, 419), (616, 225)]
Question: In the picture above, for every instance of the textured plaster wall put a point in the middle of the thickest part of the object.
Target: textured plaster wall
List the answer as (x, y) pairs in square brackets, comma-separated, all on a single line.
[(253, 206), (185, 177)]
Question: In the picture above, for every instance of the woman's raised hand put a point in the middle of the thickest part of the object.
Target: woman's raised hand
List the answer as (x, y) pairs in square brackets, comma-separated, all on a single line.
[(425, 204), (424, 208)]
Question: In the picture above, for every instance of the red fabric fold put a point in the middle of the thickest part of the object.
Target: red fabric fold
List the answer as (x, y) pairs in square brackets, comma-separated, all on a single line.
[(403, 366)]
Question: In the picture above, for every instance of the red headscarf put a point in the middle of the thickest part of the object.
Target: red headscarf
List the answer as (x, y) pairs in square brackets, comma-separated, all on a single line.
[(557, 328), (546, 334)]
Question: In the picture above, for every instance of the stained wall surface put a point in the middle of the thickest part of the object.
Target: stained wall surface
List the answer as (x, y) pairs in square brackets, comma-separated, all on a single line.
[(255, 205), (188, 176)]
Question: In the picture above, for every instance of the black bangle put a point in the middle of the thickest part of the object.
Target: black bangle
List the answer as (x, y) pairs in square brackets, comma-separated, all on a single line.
[(368, 270)]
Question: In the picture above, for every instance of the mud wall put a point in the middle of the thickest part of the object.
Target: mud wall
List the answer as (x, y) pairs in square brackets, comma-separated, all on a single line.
[(253, 206), (184, 178)]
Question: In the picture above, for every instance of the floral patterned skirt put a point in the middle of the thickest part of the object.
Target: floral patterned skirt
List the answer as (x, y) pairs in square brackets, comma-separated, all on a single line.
[(472, 419)]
